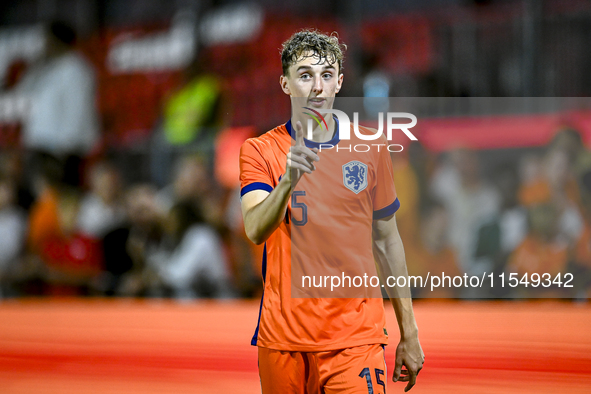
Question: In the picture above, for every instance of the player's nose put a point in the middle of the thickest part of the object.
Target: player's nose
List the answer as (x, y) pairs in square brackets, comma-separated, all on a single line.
[(317, 87)]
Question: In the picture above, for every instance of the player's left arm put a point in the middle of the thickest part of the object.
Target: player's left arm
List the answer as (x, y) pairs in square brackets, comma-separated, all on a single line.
[(389, 256)]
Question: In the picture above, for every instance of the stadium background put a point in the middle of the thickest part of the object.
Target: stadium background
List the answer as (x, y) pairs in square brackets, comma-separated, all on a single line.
[(66, 325)]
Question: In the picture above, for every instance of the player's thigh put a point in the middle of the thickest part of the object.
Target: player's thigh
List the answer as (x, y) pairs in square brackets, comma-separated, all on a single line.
[(358, 370), (282, 372)]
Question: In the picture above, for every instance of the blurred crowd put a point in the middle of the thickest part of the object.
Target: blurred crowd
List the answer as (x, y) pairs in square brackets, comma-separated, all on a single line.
[(103, 237), (525, 216), (73, 223)]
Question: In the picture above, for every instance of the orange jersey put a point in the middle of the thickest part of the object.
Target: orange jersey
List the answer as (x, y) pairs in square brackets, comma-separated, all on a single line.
[(327, 230)]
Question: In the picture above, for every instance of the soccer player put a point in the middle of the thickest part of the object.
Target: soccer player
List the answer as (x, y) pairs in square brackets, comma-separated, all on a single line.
[(340, 207)]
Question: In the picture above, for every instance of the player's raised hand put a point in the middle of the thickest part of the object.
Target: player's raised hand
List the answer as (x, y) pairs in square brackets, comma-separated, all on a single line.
[(300, 159), (409, 354)]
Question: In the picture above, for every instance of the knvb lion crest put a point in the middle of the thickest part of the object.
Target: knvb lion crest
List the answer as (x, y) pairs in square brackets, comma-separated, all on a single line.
[(355, 176)]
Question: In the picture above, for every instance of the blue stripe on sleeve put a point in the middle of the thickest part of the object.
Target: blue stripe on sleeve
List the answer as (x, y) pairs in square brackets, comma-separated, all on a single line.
[(385, 212), (256, 186)]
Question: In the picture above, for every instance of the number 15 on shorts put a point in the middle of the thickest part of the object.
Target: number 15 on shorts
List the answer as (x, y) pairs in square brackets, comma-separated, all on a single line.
[(366, 373)]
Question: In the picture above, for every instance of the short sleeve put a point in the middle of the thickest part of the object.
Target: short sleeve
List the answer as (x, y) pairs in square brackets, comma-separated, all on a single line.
[(254, 171), (385, 201)]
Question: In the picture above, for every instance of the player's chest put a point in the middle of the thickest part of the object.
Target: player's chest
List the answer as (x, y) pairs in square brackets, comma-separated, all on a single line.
[(339, 178)]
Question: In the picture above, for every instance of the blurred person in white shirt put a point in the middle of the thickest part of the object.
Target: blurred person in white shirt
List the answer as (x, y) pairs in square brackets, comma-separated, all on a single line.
[(61, 89), (470, 200), (62, 119)]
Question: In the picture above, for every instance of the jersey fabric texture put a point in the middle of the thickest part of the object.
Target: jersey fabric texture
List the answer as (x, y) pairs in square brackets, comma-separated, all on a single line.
[(328, 226)]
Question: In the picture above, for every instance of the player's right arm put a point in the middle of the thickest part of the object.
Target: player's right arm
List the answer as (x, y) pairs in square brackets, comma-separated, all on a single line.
[(263, 211)]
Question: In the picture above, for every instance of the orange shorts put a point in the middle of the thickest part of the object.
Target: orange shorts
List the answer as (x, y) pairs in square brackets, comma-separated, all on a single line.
[(357, 370)]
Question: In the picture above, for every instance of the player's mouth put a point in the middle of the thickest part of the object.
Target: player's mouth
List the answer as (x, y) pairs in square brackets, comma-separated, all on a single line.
[(317, 102)]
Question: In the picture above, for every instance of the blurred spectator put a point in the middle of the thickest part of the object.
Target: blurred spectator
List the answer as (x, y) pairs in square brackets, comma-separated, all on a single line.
[(125, 248), (544, 178), (117, 262), (432, 254), (101, 209), (191, 118), (581, 267), (190, 261), (376, 86), (552, 179), (61, 87), (12, 234), (498, 238), (534, 188), (564, 194), (62, 119), (44, 220), (569, 141), (512, 218), (470, 202), (11, 165), (69, 260), (189, 181), (542, 251), (193, 182), (193, 110), (422, 162)]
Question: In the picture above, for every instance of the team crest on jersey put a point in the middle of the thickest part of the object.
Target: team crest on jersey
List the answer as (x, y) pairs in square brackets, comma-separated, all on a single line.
[(355, 176)]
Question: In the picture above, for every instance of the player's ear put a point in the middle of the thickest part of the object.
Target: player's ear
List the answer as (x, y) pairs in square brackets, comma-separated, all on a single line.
[(284, 86), (339, 83)]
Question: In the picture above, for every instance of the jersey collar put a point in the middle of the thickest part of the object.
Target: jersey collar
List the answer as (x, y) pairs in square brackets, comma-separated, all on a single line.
[(313, 144)]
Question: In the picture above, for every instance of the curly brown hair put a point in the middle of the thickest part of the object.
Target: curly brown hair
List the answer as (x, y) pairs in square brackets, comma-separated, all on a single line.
[(301, 44)]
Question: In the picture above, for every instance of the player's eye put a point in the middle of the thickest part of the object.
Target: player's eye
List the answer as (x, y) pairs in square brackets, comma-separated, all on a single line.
[(305, 76), (327, 75)]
